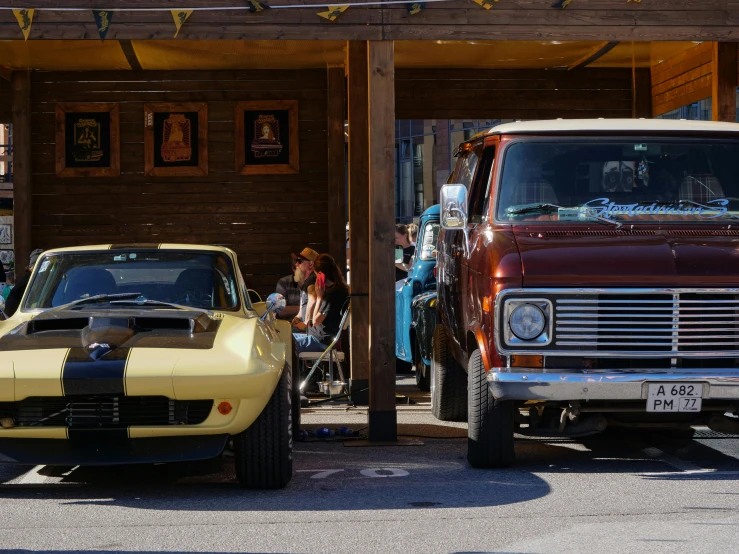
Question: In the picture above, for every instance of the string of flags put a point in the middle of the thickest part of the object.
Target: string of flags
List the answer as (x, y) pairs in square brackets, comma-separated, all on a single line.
[(104, 18)]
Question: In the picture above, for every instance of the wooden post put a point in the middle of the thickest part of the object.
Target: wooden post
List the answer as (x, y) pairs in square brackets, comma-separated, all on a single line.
[(724, 81), (336, 189), (357, 104), (20, 100), (642, 93), (382, 413)]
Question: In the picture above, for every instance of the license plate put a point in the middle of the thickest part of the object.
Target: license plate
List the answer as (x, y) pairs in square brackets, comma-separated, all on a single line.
[(674, 397)]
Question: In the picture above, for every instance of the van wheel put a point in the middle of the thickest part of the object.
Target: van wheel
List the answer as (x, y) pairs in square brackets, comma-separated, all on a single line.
[(423, 371), (448, 382), (263, 453), (490, 422)]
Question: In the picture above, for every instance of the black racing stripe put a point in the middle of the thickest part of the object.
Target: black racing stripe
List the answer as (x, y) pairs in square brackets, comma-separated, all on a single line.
[(97, 435), (83, 375)]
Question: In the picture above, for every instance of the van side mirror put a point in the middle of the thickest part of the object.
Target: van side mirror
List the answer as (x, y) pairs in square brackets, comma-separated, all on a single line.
[(454, 206)]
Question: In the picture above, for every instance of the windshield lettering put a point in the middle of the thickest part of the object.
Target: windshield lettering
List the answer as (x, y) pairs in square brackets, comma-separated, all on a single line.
[(603, 207)]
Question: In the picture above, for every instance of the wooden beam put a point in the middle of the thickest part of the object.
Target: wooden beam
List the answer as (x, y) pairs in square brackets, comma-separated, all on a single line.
[(599, 51), (336, 166), (723, 85), (383, 416), (20, 99), (358, 115), (642, 93), (130, 54)]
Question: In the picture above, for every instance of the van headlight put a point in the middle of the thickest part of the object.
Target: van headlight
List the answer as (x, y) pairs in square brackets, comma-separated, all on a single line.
[(527, 322)]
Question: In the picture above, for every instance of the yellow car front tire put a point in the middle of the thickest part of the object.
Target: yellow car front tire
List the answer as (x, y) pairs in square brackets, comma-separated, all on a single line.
[(264, 452)]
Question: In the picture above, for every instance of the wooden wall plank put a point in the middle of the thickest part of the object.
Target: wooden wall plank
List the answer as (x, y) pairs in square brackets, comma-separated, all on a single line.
[(382, 412), (336, 166), (512, 94), (724, 81), (357, 107), (6, 113), (599, 20), (682, 80), (262, 217), (20, 84)]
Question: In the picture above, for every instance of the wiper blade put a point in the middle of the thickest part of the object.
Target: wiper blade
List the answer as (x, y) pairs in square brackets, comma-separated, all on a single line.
[(142, 301), (95, 299), (531, 208), (549, 208)]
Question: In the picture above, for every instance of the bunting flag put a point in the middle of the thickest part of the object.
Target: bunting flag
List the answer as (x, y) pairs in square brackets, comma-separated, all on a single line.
[(416, 7), (180, 16), (102, 20), (256, 6), (487, 4), (334, 13), (25, 19), (561, 4)]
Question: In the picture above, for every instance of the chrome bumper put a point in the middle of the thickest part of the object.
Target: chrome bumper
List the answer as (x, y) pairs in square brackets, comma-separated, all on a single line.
[(535, 384)]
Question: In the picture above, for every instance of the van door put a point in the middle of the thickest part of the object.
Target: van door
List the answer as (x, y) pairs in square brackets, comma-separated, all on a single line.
[(452, 253)]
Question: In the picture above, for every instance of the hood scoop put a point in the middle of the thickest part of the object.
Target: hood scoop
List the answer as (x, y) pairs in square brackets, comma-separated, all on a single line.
[(71, 324)]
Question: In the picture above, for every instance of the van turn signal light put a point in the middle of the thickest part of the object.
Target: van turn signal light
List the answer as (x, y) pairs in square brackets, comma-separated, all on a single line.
[(224, 408)]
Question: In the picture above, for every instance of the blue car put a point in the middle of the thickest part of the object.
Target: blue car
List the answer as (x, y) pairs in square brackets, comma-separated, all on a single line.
[(415, 299)]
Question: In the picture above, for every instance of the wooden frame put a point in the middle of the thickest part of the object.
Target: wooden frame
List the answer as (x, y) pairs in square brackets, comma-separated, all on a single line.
[(113, 168), (152, 165), (250, 167)]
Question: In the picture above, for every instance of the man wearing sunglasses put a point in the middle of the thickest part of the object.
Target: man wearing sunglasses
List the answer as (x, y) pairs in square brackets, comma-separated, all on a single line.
[(289, 287), (306, 278)]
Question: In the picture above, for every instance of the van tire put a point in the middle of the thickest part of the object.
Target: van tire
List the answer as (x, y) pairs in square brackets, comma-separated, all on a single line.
[(263, 453), (490, 422), (448, 382)]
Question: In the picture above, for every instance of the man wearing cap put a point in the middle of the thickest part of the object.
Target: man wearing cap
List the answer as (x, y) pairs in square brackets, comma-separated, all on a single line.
[(307, 278), (289, 287), (15, 296)]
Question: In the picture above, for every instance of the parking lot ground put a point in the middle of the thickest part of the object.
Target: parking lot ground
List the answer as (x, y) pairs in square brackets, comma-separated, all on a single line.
[(608, 493)]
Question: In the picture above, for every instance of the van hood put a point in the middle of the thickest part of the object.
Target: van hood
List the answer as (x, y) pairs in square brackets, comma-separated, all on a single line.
[(628, 258)]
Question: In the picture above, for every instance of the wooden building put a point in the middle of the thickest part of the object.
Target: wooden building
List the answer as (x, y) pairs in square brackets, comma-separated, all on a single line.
[(373, 64)]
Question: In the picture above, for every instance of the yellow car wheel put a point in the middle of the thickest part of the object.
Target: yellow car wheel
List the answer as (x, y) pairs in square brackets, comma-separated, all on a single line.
[(264, 452)]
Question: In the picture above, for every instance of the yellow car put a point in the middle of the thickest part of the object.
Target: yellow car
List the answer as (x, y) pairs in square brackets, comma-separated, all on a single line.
[(143, 354)]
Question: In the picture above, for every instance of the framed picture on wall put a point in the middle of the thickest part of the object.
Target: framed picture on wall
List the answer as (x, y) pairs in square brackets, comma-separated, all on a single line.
[(6, 256), (266, 137), (6, 233), (176, 139), (87, 140)]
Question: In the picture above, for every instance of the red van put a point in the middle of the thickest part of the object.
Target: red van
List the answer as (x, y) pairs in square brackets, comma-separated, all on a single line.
[(588, 276)]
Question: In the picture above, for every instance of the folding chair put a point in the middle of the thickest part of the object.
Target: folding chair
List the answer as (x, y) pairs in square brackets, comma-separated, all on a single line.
[(335, 355)]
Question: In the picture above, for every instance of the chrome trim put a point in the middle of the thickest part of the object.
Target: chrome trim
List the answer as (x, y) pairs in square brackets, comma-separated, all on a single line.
[(675, 329), (535, 384), (545, 337)]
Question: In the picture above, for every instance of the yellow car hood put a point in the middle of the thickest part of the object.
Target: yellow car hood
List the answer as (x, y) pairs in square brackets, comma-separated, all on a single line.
[(179, 354)]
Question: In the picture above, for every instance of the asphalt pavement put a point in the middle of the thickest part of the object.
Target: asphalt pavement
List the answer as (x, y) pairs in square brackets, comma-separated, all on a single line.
[(610, 493)]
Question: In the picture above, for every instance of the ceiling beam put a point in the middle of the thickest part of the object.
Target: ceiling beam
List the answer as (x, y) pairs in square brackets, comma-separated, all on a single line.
[(130, 54), (600, 50)]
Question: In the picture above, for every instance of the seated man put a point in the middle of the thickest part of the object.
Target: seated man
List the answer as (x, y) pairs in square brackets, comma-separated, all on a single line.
[(289, 287), (325, 321), (307, 279)]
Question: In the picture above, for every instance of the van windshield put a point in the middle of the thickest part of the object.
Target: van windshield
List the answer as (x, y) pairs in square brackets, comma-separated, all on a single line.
[(639, 180)]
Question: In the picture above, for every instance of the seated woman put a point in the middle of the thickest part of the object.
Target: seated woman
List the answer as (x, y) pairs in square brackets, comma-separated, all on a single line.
[(317, 332)]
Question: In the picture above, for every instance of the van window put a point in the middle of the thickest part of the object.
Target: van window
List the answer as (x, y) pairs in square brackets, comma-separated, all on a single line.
[(465, 170)]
